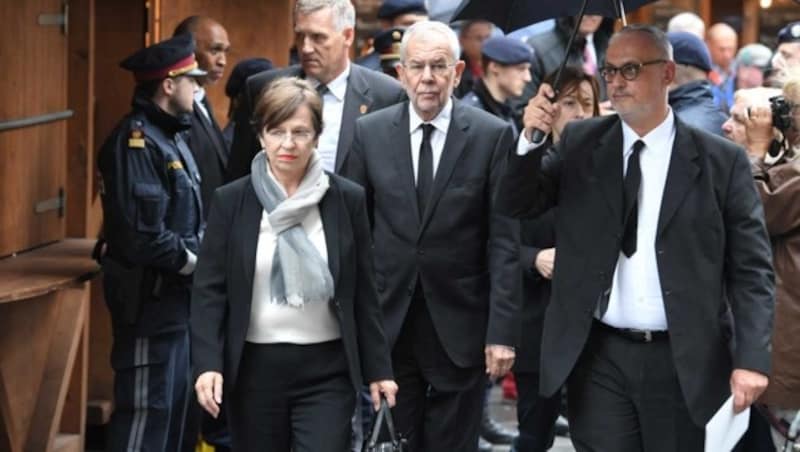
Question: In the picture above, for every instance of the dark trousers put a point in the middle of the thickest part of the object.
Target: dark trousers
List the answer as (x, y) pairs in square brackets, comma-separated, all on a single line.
[(536, 414), (151, 376), (439, 405), (292, 397), (624, 396)]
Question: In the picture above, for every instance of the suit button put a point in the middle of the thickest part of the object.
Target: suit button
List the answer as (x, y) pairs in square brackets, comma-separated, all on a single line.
[(667, 293), (421, 252), (410, 290), (660, 251)]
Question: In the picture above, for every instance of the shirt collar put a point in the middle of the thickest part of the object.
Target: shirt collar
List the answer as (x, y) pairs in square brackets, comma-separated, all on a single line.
[(441, 122), (338, 86), (199, 95), (661, 134)]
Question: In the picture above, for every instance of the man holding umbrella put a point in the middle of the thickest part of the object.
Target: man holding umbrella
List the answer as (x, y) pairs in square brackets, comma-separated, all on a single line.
[(663, 259)]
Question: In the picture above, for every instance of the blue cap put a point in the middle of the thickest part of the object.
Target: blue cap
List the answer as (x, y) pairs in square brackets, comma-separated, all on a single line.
[(170, 58), (241, 71), (392, 8), (789, 33), (506, 51), (690, 50)]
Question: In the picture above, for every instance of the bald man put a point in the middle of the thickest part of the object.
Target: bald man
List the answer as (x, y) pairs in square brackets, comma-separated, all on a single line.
[(722, 41), (205, 137)]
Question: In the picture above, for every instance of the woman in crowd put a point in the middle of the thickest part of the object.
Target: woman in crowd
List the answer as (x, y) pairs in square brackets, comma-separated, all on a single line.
[(577, 99), (285, 317)]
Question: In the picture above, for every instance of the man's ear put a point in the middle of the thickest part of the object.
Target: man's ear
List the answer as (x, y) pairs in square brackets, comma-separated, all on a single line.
[(349, 34), (168, 85)]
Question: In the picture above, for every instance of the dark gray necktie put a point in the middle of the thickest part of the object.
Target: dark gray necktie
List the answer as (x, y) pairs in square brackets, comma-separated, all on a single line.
[(630, 219), (425, 168), (322, 89)]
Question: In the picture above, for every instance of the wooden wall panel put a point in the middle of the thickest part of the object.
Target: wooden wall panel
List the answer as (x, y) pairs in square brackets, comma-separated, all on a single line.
[(256, 28), (32, 160)]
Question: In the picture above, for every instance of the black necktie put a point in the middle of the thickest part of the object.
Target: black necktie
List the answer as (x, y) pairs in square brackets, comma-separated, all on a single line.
[(425, 168), (322, 89), (633, 180)]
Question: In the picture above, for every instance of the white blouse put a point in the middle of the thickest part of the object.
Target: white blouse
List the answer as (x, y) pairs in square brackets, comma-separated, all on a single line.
[(272, 323)]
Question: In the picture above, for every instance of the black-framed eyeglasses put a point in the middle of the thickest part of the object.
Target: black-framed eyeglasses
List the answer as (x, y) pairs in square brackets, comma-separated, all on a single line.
[(628, 71)]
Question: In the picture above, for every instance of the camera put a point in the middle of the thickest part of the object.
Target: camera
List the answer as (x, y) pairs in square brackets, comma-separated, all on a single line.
[(781, 113)]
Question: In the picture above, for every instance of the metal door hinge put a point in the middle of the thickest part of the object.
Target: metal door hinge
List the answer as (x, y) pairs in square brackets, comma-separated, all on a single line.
[(58, 203), (61, 20)]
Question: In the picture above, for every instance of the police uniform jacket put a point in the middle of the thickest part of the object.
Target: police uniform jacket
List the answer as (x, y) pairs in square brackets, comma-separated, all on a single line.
[(152, 214)]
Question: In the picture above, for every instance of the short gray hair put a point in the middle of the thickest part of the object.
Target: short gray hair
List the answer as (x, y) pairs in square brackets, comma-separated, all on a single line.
[(657, 37), (344, 15), (688, 22), (425, 28)]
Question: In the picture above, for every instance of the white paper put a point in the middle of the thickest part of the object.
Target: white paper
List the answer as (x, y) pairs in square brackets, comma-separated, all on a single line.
[(725, 429)]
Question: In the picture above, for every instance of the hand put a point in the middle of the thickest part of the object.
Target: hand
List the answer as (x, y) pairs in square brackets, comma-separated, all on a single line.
[(544, 262), (386, 387), (758, 130), (746, 387), (540, 113), (499, 359), (209, 392)]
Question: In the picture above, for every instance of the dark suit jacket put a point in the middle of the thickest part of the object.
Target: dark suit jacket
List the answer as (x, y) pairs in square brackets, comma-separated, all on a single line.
[(367, 91), (223, 281), (711, 246), (465, 254), (536, 235), (210, 152)]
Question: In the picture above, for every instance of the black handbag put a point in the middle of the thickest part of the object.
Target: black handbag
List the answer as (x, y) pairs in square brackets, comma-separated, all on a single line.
[(395, 443)]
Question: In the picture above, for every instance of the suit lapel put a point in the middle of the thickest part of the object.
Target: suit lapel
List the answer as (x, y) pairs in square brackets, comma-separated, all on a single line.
[(213, 133), (402, 157), (191, 169), (683, 170), (251, 222), (607, 158), (329, 209), (454, 145), (357, 102)]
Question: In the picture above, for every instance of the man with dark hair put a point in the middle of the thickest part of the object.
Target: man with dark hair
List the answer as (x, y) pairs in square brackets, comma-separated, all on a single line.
[(324, 31), (234, 86), (153, 221), (663, 259), (205, 137)]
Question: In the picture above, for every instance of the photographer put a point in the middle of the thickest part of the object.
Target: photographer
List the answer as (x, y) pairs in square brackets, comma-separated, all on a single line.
[(776, 170)]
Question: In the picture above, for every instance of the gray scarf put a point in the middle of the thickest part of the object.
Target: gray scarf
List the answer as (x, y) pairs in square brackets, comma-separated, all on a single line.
[(299, 273)]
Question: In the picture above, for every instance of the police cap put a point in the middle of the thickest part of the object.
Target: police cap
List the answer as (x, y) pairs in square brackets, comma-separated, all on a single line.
[(789, 33), (392, 8), (690, 50), (169, 58), (387, 43), (506, 51)]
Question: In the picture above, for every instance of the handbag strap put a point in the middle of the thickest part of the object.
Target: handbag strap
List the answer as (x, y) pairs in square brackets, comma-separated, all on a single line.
[(383, 413)]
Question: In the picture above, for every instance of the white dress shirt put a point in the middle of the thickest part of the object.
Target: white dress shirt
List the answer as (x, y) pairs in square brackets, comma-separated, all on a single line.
[(636, 300), (440, 123), (332, 110), (272, 323), (199, 95)]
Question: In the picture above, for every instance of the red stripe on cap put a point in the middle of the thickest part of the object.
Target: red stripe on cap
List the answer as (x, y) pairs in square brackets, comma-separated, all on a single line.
[(164, 72)]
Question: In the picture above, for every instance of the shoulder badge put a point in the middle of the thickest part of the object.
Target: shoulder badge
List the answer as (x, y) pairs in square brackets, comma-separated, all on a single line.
[(136, 139)]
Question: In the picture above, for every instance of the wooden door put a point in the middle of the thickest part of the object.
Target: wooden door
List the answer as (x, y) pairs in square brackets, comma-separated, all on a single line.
[(33, 117)]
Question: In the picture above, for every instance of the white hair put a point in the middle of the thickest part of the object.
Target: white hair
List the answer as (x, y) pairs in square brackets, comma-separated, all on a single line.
[(344, 14), (688, 22), (425, 29)]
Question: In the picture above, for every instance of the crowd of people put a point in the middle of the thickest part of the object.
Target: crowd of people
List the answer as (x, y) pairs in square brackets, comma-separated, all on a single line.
[(391, 230)]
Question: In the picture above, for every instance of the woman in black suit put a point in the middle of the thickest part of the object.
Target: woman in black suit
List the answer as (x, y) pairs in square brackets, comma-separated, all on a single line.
[(285, 317)]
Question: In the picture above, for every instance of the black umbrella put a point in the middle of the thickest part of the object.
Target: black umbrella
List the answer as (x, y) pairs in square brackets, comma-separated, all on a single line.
[(513, 14)]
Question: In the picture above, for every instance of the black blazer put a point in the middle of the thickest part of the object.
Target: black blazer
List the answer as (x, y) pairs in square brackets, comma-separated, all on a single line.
[(464, 252), (367, 91), (223, 281), (712, 250), (209, 151)]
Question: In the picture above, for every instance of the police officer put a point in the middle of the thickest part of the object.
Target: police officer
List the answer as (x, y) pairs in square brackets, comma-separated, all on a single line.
[(153, 225), (393, 14), (387, 47), (506, 70)]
